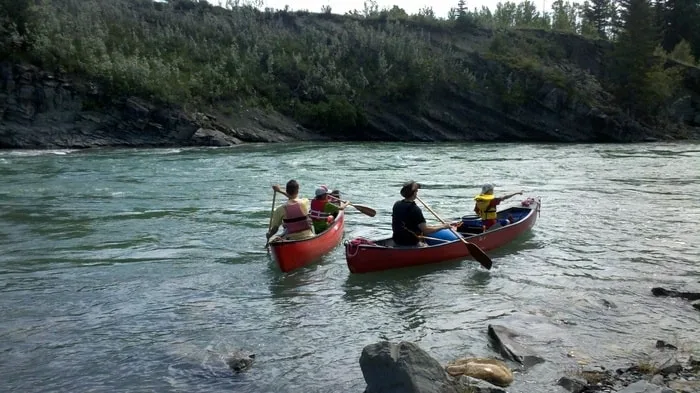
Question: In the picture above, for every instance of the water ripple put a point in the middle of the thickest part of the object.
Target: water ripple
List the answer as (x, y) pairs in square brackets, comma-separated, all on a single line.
[(142, 269)]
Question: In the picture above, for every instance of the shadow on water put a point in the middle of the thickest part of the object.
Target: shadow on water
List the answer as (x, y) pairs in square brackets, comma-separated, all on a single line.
[(524, 242), (284, 285), (358, 286)]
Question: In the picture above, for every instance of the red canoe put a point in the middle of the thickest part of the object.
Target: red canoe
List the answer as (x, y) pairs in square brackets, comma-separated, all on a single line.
[(364, 255), (293, 254)]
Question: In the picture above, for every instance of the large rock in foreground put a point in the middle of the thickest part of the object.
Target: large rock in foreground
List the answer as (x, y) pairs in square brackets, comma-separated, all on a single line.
[(403, 368)]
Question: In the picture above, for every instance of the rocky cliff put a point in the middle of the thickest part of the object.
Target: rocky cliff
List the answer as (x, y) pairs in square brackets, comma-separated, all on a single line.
[(560, 99), (40, 109)]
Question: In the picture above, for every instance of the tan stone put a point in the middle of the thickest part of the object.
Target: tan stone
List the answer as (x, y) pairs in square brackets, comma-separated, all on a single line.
[(490, 370)]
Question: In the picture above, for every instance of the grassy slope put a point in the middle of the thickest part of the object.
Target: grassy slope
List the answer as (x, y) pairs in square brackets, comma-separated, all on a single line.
[(328, 72)]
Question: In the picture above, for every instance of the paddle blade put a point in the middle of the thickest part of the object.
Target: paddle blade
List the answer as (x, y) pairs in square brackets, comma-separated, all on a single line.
[(365, 210), (477, 253)]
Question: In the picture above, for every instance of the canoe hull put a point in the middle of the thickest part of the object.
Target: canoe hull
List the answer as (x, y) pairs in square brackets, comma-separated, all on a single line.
[(365, 258), (293, 254)]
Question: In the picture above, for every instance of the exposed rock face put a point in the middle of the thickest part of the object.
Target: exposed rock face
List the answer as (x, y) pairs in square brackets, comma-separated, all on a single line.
[(403, 368), (39, 109), (208, 137), (553, 116), (574, 109)]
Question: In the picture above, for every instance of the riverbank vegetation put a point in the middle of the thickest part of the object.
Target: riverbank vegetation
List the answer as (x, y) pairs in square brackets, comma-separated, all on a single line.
[(324, 69)]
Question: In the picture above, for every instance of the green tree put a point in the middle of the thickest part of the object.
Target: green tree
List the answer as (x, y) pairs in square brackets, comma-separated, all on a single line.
[(504, 16), (660, 17), (526, 14), (600, 16), (371, 8), (683, 53), (563, 16), (427, 13), (397, 13), (642, 84), (17, 12), (462, 7), (682, 23), (587, 25)]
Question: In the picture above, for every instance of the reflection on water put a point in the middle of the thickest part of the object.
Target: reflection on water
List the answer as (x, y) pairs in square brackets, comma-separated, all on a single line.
[(142, 269)]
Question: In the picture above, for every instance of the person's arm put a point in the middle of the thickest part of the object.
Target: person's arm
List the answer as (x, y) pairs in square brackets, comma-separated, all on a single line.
[(277, 188), (331, 208), (277, 217), (272, 231), (428, 229), (503, 198)]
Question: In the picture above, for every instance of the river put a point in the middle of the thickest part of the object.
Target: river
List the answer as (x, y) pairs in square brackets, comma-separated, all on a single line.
[(136, 270)]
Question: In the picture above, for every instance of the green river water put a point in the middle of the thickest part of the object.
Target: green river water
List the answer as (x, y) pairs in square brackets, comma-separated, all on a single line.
[(137, 270)]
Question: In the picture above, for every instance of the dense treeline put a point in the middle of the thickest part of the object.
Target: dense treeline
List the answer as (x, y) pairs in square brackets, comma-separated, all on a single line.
[(324, 71)]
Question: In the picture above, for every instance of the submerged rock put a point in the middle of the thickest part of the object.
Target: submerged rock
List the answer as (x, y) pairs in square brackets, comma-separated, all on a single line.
[(661, 344), (240, 360), (503, 340), (490, 370), (658, 291)]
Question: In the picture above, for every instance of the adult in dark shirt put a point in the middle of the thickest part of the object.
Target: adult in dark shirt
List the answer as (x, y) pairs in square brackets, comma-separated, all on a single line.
[(407, 221)]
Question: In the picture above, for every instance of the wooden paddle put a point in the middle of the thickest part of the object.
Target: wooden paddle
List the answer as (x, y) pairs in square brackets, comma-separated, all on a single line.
[(361, 208), (272, 213), (475, 251)]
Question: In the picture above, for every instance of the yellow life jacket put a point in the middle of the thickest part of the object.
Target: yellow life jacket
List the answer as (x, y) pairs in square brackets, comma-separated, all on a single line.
[(483, 209)]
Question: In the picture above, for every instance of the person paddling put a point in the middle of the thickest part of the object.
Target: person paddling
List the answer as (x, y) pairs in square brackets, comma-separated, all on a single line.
[(407, 221), (323, 211), (335, 197), (293, 215)]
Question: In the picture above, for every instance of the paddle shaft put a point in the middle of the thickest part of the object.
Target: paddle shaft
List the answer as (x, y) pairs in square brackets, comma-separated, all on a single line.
[(272, 213), (438, 217), (476, 252), (435, 238)]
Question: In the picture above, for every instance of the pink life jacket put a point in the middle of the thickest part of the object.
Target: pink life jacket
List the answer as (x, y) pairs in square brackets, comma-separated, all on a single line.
[(295, 220)]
